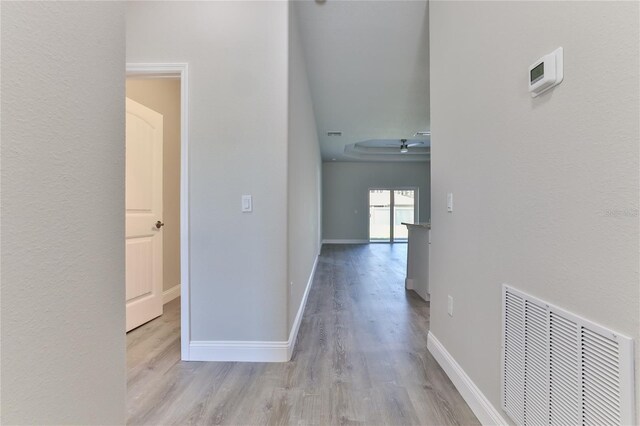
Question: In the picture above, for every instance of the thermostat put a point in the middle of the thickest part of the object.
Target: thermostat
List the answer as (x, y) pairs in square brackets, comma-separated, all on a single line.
[(546, 73)]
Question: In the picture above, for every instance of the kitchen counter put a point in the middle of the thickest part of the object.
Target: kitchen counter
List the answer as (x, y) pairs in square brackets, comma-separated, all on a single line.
[(425, 225), (418, 258)]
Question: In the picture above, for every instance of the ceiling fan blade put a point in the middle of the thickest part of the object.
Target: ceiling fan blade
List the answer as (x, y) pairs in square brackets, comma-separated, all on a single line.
[(415, 144)]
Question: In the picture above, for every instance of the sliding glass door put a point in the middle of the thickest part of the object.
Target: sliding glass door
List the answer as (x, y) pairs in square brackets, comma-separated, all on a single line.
[(403, 212), (388, 209), (380, 215)]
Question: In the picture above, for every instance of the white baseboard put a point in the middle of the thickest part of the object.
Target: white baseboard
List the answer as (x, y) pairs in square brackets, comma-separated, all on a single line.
[(479, 404), (247, 351), (423, 294), (169, 295), (345, 241), (253, 351), (293, 335), (409, 284)]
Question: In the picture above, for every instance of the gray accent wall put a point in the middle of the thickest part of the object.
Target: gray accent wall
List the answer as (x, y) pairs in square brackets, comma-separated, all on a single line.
[(345, 194), (304, 175), (251, 131), (546, 190), (237, 145), (63, 292)]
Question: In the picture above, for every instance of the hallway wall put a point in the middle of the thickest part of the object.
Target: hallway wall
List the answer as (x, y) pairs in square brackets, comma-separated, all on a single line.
[(303, 177), (63, 292), (546, 190), (238, 79), (345, 191)]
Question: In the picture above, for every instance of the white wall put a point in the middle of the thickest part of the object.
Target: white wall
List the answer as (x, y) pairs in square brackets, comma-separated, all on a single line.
[(345, 190), (238, 66), (545, 190), (63, 316), (304, 174)]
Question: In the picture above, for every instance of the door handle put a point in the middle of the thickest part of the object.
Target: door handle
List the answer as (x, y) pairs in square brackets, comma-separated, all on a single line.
[(159, 224)]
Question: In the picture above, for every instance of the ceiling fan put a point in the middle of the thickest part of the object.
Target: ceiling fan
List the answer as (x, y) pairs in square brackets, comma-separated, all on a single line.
[(404, 146)]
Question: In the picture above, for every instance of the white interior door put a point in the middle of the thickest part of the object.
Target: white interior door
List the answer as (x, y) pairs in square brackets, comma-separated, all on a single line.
[(143, 214)]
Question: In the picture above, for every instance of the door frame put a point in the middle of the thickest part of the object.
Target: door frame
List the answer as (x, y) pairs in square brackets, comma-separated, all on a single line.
[(181, 71), (416, 209)]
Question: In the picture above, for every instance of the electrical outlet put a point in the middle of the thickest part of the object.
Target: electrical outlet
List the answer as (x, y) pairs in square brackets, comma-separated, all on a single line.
[(450, 306)]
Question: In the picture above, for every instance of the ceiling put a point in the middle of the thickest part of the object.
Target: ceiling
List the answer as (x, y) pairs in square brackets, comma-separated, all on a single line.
[(368, 67)]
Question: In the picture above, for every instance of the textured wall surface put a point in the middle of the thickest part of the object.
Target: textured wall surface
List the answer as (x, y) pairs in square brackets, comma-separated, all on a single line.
[(163, 95), (238, 66), (63, 316), (345, 190), (304, 174), (546, 189)]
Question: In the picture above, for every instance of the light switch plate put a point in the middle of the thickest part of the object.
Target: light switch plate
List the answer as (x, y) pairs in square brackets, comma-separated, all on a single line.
[(450, 202), (450, 306), (247, 204)]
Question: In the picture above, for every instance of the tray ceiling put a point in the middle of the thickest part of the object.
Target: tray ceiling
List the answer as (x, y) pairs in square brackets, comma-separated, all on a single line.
[(368, 67)]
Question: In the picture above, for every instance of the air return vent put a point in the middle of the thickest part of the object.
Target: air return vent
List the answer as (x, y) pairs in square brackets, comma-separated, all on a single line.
[(334, 133), (560, 369)]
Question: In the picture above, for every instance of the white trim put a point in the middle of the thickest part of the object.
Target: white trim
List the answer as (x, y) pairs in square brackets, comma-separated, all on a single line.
[(423, 294), (151, 70), (293, 335), (253, 351), (408, 283), (170, 294), (248, 351), (180, 70), (329, 241), (478, 402), (168, 76)]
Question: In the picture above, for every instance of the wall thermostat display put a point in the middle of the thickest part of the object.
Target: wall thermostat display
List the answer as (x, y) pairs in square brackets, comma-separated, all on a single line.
[(546, 72)]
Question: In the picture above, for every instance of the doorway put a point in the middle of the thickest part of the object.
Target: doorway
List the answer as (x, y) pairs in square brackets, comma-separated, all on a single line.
[(389, 208), (159, 89), (144, 208)]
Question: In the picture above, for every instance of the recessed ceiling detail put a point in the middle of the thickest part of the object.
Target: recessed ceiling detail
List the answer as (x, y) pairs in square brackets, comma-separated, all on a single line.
[(390, 150), (368, 69)]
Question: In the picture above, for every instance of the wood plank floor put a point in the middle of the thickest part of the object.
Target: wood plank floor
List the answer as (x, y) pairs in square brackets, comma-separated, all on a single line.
[(361, 359)]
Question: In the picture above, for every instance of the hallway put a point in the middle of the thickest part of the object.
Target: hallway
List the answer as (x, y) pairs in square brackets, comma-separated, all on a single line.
[(361, 358)]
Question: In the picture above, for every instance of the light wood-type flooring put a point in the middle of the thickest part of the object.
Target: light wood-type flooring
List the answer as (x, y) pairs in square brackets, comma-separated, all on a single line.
[(361, 359)]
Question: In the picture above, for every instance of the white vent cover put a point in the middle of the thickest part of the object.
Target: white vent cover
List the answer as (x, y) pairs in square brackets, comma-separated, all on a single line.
[(560, 369)]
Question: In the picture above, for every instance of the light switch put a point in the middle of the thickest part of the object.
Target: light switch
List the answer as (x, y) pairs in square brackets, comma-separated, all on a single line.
[(247, 204), (450, 202)]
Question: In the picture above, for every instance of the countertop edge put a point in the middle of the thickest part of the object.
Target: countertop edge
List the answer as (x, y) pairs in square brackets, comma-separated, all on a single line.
[(417, 225)]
